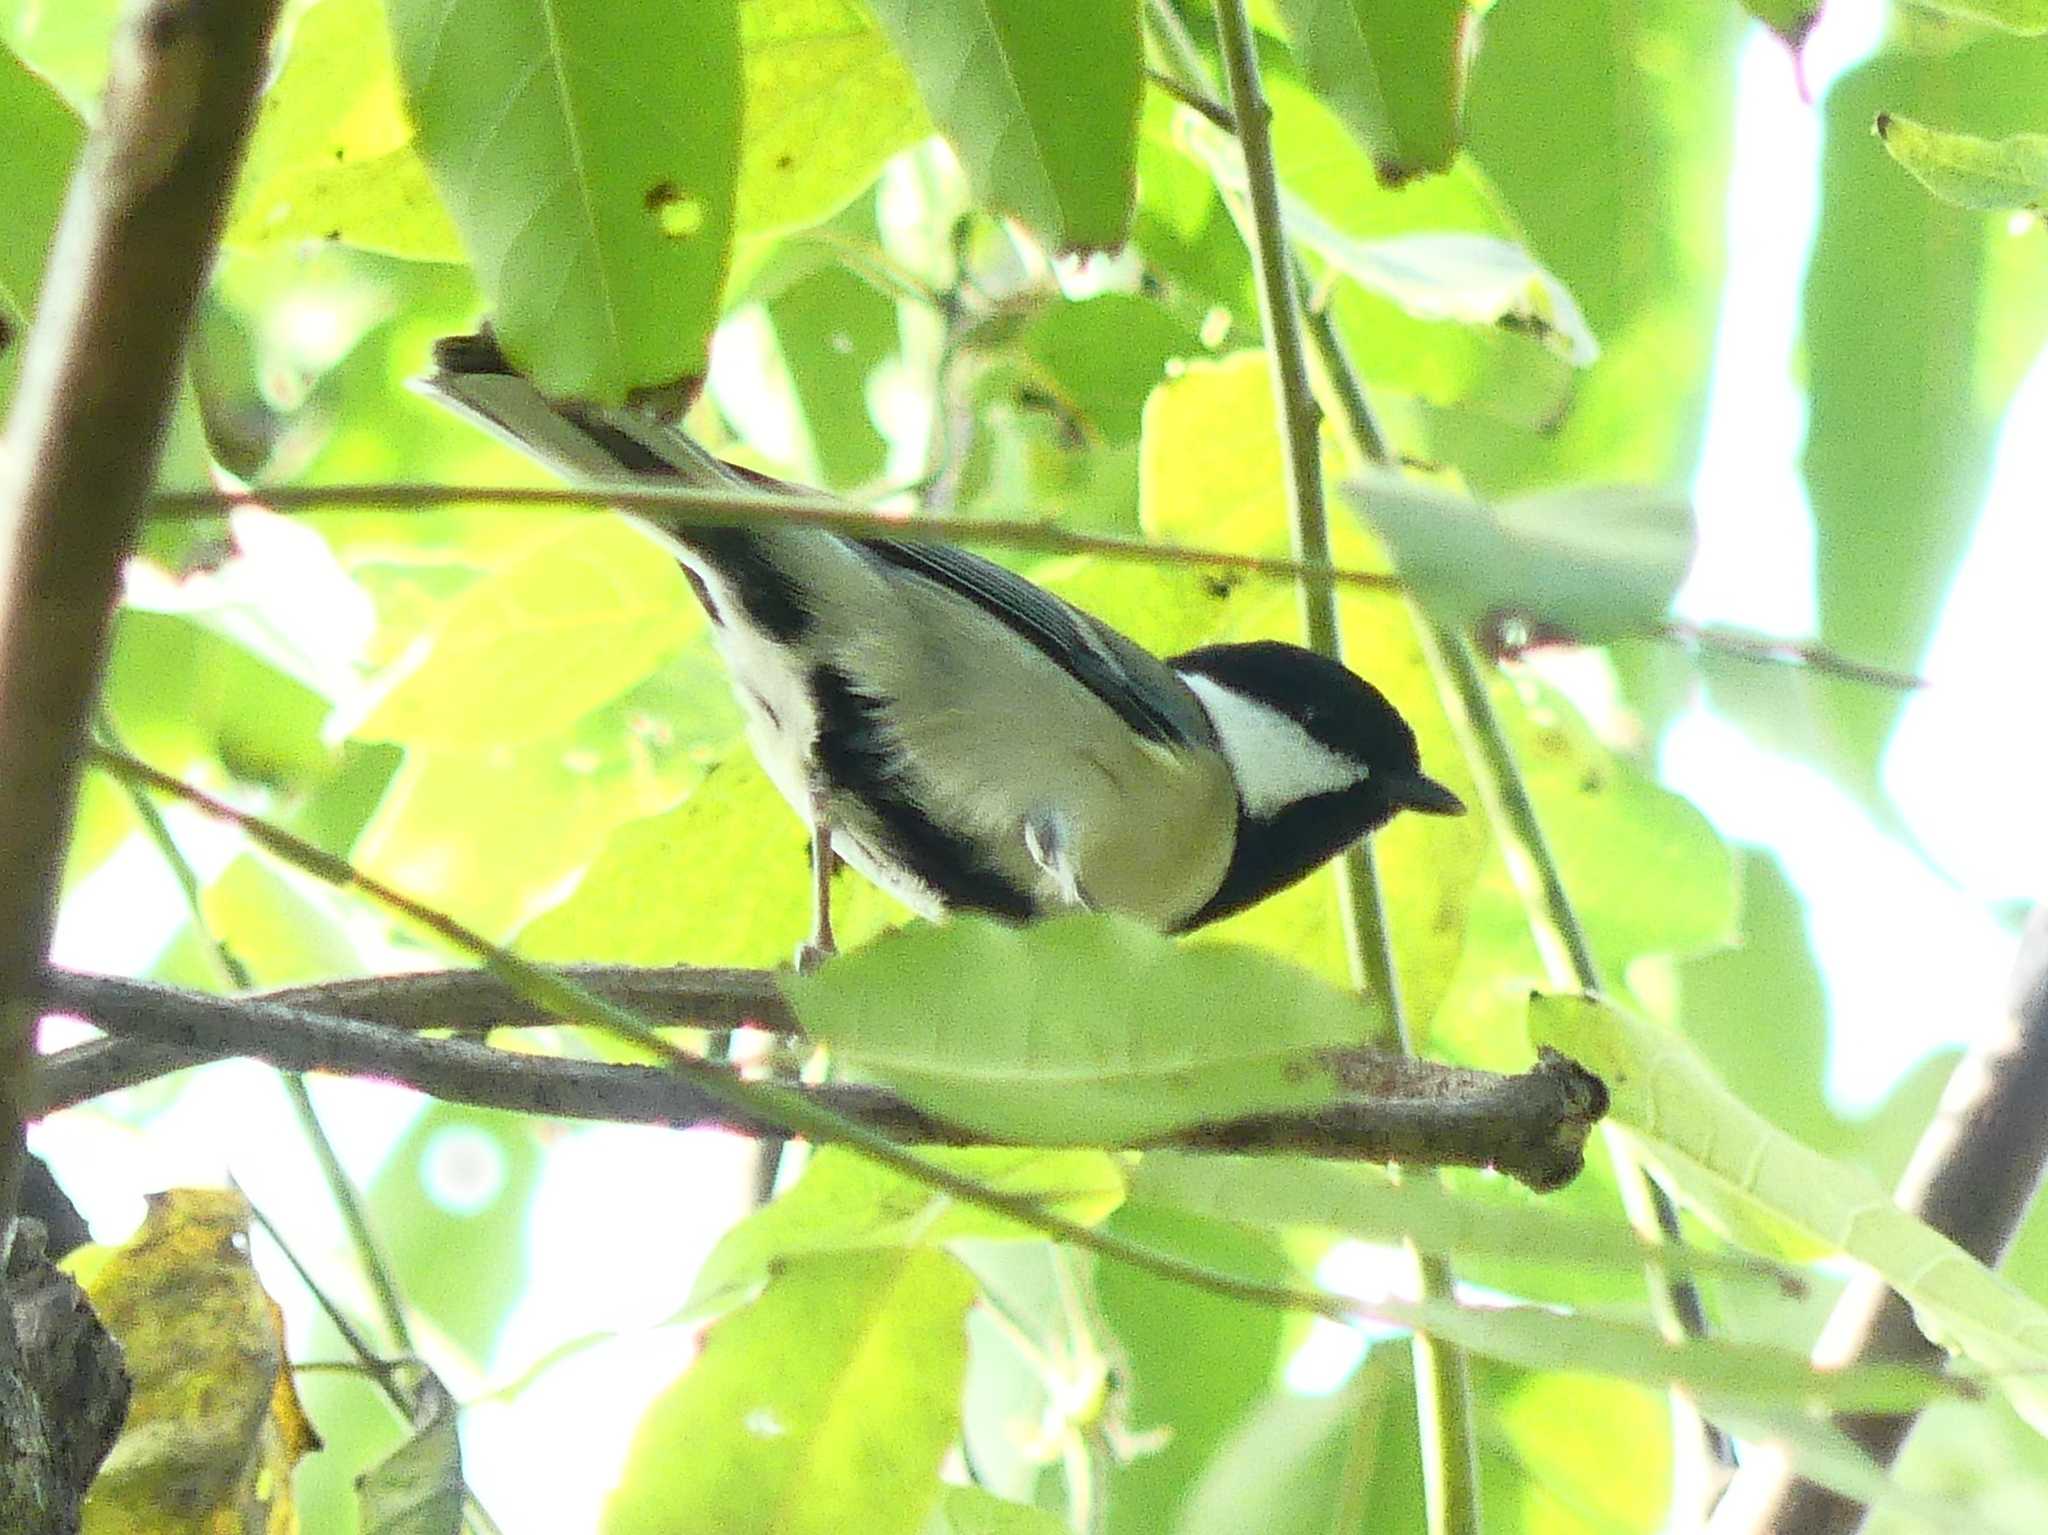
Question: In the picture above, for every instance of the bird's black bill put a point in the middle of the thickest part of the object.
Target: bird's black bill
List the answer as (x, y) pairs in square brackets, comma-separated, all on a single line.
[(1418, 791)]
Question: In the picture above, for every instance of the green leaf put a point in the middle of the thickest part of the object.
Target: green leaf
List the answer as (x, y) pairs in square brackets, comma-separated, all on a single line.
[(1473, 279), (970, 1511), (1790, 19), (776, 1429), (453, 1200), (827, 102), (1041, 102), (43, 137), (1905, 416), (331, 157), (1211, 476), (1615, 168), (588, 612), (588, 153), (1710, 1142), (1197, 1362), (1366, 1202), (1989, 175), (1760, 1374), (1296, 1461), (1082, 1030), (731, 862), (1395, 73), (417, 1489), (179, 692), (283, 927), (845, 1202), (2027, 18), (1588, 564)]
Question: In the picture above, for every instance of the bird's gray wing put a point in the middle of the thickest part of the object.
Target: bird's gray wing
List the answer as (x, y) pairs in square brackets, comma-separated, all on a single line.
[(1139, 688)]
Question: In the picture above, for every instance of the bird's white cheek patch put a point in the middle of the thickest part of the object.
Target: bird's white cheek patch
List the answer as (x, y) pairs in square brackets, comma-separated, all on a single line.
[(1275, 761)]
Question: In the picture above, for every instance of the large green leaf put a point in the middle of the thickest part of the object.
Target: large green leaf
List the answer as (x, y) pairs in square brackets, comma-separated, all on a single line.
[(1719, 1150), (1080, 1030), (1041, 102), (845, 1202), (588, 153), (1904, 415), (779, 1427), (1394, 72), (521, 655), (1611, 152), (1591, 563), (827, 103), (1368, 1203), (731, 863), (331, 157)]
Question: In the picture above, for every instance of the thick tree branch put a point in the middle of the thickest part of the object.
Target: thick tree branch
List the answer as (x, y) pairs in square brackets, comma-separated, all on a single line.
[(101, 369), (1531, 1127), (1973, 1175), (131, 254)]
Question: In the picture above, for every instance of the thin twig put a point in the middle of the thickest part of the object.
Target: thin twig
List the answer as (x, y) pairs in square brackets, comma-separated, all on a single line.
[(1529, 1127), (1974, 1173), (1443, 1377), (682, 505), (385, 1372), (340, 1189)]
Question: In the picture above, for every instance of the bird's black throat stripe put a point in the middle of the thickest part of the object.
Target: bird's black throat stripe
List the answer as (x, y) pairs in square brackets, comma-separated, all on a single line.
[(854, 756)]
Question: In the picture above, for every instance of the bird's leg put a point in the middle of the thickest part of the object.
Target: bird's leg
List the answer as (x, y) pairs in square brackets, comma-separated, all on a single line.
[(819, 947)]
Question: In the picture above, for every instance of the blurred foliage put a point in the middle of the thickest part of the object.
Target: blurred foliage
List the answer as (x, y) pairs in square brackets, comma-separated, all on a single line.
[(516, 716)]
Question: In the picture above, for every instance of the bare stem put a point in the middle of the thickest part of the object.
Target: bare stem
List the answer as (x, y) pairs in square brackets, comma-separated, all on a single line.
[(1443, 1377)]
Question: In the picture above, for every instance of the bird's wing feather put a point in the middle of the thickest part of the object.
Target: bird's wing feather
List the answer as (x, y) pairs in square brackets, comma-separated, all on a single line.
[(1136, 686)]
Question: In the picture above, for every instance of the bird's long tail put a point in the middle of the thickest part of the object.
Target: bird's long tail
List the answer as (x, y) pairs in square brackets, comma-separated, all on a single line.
[(580, 442)]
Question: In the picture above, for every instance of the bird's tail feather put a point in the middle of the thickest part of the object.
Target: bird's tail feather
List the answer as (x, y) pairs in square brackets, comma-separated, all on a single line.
[(581, 442)]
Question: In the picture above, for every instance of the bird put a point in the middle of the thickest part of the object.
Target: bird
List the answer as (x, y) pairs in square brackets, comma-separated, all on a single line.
[(965, 739)]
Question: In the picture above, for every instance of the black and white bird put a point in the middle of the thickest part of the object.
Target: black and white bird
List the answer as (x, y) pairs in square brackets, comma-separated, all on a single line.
[(967, 740)]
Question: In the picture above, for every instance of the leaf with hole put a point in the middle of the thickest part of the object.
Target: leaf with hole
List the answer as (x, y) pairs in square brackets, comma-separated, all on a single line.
[(588, 154)]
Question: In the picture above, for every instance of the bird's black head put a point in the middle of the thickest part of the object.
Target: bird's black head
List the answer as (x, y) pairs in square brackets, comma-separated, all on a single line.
[(1320, 757)]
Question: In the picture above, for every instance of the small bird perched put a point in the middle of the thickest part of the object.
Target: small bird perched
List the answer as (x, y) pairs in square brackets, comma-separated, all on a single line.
[(967, 740)]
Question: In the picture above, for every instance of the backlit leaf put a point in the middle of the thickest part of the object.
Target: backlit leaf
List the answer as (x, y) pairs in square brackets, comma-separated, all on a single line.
[(1086, 1029)]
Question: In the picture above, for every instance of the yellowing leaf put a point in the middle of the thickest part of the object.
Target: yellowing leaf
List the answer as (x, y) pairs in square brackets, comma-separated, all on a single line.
[(215, 1427)]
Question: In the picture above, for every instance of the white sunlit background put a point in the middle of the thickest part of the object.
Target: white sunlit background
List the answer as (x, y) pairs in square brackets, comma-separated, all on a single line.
[(1910, 919)]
